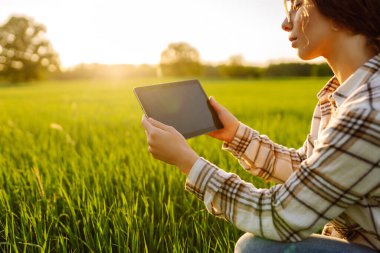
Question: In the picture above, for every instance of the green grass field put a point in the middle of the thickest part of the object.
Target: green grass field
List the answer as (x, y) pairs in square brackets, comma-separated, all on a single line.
[(75, 174)]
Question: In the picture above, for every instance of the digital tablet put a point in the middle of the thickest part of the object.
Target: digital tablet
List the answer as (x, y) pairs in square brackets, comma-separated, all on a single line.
[(183, 105)]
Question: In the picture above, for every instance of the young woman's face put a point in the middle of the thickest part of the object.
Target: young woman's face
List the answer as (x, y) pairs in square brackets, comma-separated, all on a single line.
[(309, 31)]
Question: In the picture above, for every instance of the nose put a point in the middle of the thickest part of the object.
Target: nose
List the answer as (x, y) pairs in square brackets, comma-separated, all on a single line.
[(286, 25)]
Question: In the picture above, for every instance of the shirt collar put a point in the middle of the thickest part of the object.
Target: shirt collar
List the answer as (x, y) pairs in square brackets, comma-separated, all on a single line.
[(328, 89), (333, 90)]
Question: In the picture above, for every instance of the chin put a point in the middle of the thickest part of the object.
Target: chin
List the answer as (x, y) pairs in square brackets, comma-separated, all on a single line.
[(306, 55)]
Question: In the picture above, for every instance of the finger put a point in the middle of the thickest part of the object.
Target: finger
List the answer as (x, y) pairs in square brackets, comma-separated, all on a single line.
[(146, 124), (212, 134), (217, 107), (158, 124)]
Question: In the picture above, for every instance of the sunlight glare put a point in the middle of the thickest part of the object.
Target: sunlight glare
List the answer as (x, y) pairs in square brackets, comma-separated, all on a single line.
[(136, 32)]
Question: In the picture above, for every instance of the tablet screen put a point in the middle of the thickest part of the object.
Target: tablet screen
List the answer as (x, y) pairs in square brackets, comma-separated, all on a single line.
[(183, 105)]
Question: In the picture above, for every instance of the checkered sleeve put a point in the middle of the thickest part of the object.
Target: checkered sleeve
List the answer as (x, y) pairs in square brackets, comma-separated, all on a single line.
[(343, 168), (262, 157)]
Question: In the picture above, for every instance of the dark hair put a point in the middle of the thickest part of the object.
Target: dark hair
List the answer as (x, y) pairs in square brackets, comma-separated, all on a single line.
[(358, 16)]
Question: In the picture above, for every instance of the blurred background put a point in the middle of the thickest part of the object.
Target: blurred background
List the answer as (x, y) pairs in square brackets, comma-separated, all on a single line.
[(119, 39)]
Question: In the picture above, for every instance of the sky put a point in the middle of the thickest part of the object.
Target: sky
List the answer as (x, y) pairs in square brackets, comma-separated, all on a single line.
[(137, 31)]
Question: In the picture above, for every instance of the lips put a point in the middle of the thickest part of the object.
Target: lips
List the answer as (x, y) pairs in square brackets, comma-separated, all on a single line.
[(293, 40)]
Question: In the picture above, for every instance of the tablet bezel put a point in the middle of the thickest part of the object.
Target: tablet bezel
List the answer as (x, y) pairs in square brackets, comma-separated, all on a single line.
[(216, 122)]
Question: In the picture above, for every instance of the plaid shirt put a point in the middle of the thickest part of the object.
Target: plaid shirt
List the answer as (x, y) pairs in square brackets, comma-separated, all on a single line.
[(333, 179)]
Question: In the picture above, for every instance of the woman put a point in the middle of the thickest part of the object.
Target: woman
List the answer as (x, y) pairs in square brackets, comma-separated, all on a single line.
[(334, 178)]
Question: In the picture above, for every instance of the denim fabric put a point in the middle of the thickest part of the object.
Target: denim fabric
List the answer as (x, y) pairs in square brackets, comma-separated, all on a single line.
[(249, 243)]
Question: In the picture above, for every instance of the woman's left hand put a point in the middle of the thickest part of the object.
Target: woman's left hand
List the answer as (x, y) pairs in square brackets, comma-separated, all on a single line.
[(168, 145)]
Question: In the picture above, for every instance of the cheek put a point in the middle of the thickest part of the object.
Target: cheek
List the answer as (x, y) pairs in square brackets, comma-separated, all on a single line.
[(301, 23), (315, 27), (308, 30), (318, 35)]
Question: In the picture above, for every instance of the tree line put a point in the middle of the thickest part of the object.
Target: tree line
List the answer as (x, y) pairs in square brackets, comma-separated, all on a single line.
[(124, 71), (26, 55)]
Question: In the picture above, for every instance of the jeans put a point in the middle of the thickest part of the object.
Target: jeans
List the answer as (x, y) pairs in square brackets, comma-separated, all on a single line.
[(249, 243)]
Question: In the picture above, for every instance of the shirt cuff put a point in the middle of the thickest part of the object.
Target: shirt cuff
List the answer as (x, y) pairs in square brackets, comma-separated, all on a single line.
[(240, 143), (199, 176)]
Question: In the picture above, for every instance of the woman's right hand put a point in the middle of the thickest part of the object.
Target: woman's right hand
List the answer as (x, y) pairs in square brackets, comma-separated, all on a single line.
[(229, 121)]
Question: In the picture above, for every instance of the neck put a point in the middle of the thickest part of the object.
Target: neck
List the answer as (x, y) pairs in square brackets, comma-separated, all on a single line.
[(349, 54)]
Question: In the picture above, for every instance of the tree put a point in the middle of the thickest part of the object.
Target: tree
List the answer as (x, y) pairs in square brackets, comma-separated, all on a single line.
[(322, 69), (289, 69), (25, 53), (236, 68), (180, 59)]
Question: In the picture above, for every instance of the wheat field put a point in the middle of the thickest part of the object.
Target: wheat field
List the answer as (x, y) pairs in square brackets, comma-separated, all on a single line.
[(75, 174)]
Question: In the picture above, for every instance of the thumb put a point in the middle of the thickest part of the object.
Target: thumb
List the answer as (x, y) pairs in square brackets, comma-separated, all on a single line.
[(146, 124), (159, 124), (217, 107)]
